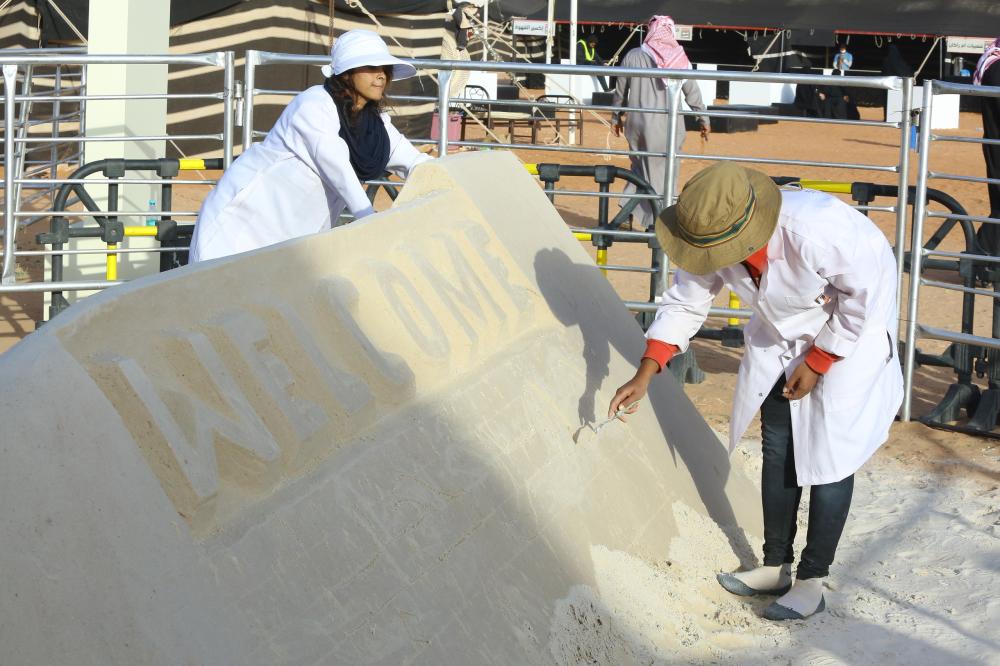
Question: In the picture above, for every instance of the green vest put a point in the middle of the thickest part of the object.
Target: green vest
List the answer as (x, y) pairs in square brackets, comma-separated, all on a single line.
[(588, 53)]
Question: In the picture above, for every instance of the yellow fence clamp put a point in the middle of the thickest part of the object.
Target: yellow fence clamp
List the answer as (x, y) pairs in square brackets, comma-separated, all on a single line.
[(826, 186), (111, 269), (602, 252), (602, 259), (191, 165)]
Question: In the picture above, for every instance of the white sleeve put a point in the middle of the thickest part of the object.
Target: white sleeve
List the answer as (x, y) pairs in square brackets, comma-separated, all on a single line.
[(684, 307), (314, 137), (403, 156), (855, 272)]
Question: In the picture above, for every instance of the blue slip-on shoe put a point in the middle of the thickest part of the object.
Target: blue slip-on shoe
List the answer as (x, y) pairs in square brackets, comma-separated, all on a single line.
[(778, 613), (731, 583)]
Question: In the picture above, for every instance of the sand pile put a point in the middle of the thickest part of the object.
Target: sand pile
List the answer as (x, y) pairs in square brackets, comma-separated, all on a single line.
[(358, 448)]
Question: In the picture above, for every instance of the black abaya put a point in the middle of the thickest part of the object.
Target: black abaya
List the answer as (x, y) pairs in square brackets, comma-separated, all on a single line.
[(989, 234)]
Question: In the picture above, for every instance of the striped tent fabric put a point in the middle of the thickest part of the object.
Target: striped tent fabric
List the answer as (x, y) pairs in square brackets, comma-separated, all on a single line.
[(21, 28), (298, 27), (19, 25), (285, 26)]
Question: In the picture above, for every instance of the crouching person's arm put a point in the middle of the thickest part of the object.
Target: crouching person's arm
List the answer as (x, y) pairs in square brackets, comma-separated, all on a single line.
[(682, 312)]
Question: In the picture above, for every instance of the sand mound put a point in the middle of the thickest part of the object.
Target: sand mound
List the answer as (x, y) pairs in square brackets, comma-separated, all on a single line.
[(358, 448)]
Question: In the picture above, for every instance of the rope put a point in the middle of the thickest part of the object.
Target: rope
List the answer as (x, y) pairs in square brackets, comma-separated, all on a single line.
[(558, 136), (68, 22), (450, 52), (926, 58), (520, 86), (614, 58), (357, 4), (764, 54)]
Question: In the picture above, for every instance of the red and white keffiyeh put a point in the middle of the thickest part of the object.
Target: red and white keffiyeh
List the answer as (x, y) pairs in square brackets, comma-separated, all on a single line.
[(990, 56), (661, 44)]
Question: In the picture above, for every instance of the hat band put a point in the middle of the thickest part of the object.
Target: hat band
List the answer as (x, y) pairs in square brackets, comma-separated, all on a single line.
[(710, 240)]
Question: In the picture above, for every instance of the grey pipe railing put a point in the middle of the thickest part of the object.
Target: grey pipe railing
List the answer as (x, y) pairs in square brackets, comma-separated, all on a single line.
[(12, 60), (914, 330)]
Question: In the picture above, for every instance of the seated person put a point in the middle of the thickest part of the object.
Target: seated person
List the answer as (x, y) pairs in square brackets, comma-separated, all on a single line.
[(586, 54)]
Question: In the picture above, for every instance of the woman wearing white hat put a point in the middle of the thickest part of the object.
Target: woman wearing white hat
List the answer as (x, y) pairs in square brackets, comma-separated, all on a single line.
[(311, 165)]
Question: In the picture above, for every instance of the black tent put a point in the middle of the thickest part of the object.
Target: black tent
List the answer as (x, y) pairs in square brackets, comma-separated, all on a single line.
[(283, 26), (54, 27), (965, 18)]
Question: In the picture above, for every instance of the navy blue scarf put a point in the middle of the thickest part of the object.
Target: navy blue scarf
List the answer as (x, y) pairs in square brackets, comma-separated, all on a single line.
[(366, 138)]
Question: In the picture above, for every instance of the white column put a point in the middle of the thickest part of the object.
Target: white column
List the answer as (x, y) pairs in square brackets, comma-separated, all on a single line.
[(139, 27)]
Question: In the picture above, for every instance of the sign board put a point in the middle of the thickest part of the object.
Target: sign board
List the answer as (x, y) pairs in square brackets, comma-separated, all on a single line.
[(974, 45), (531, 28), (683, 33)]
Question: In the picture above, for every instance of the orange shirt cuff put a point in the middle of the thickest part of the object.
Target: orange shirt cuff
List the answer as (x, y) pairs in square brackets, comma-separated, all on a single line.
[(820, 361), (661, 352)]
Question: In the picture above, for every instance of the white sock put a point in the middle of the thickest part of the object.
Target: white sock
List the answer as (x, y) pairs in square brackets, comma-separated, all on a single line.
[(766, 578), (804, 597)]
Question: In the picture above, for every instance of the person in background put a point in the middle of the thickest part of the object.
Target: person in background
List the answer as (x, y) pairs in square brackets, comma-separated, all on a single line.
[(837, 102), (820, 361), (988, 74), (648, 131), (586, 54), (893, 64), (843, 60), (462, 24), (806, 102), (311, 166)]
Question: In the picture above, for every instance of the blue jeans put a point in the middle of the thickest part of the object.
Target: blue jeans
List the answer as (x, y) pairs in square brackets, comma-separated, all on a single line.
[(828, 503)]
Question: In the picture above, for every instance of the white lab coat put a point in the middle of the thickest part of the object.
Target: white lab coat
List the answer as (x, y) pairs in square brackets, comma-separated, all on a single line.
[(292, 184), (830, 280)]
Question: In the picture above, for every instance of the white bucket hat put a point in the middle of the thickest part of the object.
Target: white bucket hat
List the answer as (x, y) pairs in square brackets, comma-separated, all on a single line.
[(364, 48)]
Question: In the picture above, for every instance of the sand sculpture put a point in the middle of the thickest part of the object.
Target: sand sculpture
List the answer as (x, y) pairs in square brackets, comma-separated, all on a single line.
[(351, 448)]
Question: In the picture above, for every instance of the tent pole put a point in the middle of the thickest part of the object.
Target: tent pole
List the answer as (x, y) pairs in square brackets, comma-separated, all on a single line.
[(550, 31), (572, 31)]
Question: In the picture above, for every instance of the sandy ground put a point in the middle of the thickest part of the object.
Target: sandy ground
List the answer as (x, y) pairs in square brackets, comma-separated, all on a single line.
[(915, 583), (918, 575)]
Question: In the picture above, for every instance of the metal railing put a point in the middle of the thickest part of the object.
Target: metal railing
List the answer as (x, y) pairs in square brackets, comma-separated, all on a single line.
[(444, 71), (245, 107), (46, 110), (22, 69), (914, 329), (20, 64)]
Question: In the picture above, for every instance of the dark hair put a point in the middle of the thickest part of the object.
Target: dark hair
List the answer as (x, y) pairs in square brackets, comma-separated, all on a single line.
[(342, 90)]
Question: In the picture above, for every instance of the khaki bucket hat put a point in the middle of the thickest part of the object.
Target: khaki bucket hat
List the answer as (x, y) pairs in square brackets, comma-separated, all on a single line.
[(724, 214)]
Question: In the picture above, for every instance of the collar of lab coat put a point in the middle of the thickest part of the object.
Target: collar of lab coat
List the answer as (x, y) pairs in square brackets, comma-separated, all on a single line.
[(775, 246)]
